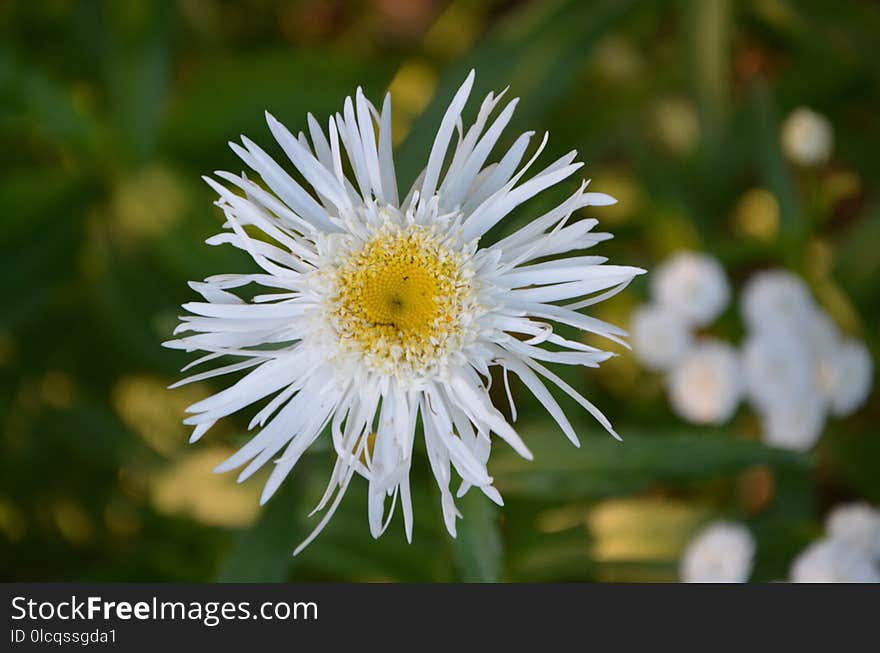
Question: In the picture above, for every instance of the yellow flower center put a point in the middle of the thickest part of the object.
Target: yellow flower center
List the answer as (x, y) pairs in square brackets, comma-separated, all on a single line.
[(397, 290), (399, 298)]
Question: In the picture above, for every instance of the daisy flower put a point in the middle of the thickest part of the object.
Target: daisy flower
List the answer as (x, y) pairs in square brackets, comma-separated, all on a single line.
[(776, 300), (706, 386), (693, 285), (807, 137), (777, 369), (858, 525), (795, 423), (833, 561), (382, 314), (660, 337), (850, 380), (722, 552)]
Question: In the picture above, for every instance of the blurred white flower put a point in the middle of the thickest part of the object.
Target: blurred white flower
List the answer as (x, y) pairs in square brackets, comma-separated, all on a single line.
[(820, 333), (720, 553), (659, 336), (706, 385), (794, 367), (822, 338), (858, 525), (832, 561), (851, 375), (807, 137), (776, 368), (775, 300), (795, 423), (692, 285)]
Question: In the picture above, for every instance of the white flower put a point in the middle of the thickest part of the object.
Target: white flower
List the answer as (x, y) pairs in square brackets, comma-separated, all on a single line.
[(775, 300), (796, 365), (850, 377), (720, 553), (807, 137), (705, 387), (692, 285), (850, 553), (777, 369), (383, 313), (794, 423), (858, 525), (822, 338), (820, 333), (833, 561), (659, 336)]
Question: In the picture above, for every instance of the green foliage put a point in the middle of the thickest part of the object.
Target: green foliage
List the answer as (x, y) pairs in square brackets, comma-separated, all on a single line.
[(603, 467), (478, 547), (258, 553)]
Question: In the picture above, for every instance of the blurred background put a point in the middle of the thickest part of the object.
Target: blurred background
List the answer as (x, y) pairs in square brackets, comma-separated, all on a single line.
[(111, 111)]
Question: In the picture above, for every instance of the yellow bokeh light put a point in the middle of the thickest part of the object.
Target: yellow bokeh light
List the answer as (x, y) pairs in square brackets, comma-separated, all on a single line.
[(148, 202), (453, 32), (757, 215), (7, 348), (621, 185), (57, 389), (190, 488), (617, 60), (412, 89), (841, 185), (641, 529), (72, 522), (146, 406), (676, 125), (12, 522)]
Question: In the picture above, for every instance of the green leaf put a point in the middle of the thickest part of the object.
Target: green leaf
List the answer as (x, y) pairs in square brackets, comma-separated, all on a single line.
[(851, 453), (223, 97), (787, 525), (538, 51), (773, 167), (137, 69), (856, 264), (478, 548), (346, 550), (31, 99), (709, 36), (605, 467), (262, 553), (41, 224)]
